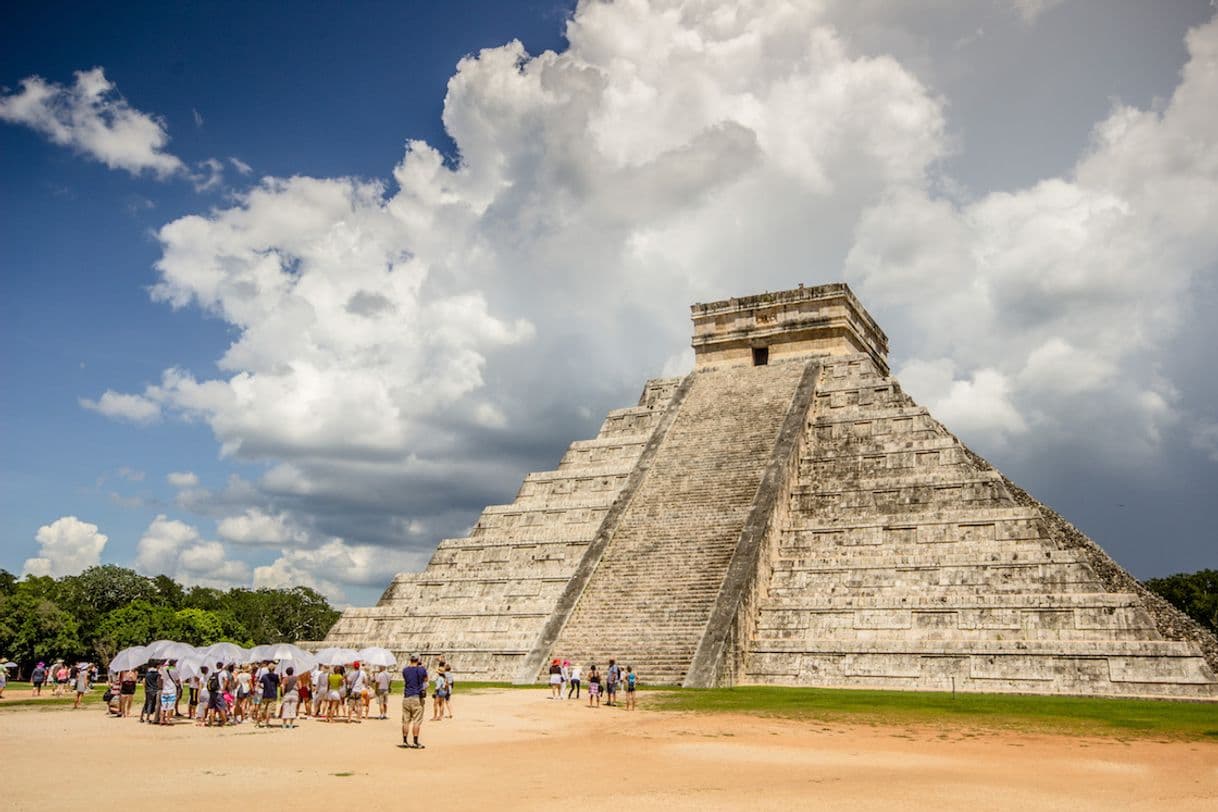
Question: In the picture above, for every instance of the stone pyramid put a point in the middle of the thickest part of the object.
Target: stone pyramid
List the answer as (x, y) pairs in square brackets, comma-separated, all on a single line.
[(786, 515)]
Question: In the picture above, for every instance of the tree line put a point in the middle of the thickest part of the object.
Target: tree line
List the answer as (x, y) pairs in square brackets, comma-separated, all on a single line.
[(1193, 593), (95, 614)]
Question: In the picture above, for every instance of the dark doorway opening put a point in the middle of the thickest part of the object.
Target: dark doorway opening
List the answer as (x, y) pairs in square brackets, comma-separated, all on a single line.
[(761, 356)]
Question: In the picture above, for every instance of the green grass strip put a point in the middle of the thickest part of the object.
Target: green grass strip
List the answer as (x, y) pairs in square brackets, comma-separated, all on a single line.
[(1051, 714)]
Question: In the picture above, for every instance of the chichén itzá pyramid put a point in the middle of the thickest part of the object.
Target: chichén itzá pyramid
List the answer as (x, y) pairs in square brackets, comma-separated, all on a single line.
[(785, 514)]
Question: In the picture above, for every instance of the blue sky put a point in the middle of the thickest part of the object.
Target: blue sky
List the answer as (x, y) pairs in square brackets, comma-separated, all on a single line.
[(1017, 190)]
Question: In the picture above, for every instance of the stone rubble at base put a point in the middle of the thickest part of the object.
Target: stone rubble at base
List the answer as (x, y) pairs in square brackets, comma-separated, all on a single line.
[(787, 515)]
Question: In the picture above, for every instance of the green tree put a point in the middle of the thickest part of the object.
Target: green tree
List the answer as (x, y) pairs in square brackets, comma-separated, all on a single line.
[(135, 624), (204, 597), (282, 615), (8, 583), (169, 592), (200, 627), (1193, 593), (39, 630), (98, 590)]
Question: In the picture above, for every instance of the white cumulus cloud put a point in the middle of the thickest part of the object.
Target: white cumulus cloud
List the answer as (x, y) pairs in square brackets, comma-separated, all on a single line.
[(66, 546), (182, 479), (90, 117), (121, 406), (175, 548)]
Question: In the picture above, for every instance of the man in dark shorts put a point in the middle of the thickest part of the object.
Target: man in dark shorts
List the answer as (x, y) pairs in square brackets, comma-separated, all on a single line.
[(270, 692), (216, 686), (412, 702), (612, 677)]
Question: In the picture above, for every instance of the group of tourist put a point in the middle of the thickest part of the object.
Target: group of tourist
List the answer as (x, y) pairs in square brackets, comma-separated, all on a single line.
[(63, 678), (571, 676), (267, 693)]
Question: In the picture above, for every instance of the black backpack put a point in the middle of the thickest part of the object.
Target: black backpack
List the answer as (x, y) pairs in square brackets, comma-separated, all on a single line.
[(152, 680), (213, 682)]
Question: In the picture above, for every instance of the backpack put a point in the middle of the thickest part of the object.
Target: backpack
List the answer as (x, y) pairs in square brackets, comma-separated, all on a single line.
[(213, 682)]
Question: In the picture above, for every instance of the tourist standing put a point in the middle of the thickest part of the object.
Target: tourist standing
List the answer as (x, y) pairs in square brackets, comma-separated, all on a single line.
[(320, 689), (204, 706), (217, 684), (612, 677), (555, 680), (245, 687), (38, 677), (383, 679), (304, 691), (448, 689), (169, 695), (334, 695), (152, 692), (126, 691), (355, 691), (291, 698), (631, 683), (61, 678), (415, 676), (594, 686), (269, 685), (437, 696), (577, 674)]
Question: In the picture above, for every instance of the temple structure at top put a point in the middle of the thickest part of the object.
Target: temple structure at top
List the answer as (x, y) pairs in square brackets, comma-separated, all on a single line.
[(786, 514)]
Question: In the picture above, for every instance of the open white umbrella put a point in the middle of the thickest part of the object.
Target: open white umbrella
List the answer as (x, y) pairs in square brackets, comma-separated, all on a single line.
[(338, 656), (375, 655), (188, 668), (177, 651), (128, 658), (259, 653), (154, 649), (225, 653)]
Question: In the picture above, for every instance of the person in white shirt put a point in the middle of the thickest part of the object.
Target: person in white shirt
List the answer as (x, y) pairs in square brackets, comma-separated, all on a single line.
[(383, 680), (355, 692), (577, 674)]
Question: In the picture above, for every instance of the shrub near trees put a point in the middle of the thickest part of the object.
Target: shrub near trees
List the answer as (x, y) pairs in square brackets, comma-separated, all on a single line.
[(95, 614)]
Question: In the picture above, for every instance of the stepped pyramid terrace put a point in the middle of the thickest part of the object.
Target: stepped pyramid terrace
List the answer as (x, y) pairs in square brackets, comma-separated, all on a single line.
[(786, 515)]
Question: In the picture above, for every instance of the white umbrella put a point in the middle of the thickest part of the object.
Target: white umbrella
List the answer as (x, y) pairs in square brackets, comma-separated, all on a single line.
[(154, 649), (259, 653), (10, 664), (338, 656), (375, 655), (225, 653), (189, 667), (177, 651), (128, 658)]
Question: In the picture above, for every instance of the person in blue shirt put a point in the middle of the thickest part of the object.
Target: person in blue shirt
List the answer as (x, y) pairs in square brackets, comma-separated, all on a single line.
[(413, 695)]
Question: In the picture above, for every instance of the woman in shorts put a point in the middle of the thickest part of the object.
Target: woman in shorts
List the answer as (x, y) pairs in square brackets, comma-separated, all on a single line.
[(437, 699), (334, 695), (555, 680), (126, 691), (594, 686), (631, 684)]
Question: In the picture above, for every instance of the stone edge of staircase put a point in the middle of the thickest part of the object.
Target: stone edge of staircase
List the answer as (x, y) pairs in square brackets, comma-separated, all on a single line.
[(714, 662), (530, 669)]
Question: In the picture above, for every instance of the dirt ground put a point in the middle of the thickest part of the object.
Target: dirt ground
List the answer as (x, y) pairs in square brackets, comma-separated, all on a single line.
[(512, 749)]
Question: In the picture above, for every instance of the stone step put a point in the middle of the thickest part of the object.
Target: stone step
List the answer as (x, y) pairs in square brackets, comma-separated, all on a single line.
[(983, 556), (700, 485), (915, 600), (1055, 648)]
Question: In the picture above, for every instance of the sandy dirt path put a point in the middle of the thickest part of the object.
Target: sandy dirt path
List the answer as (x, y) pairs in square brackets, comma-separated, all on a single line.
[(511, 749)]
